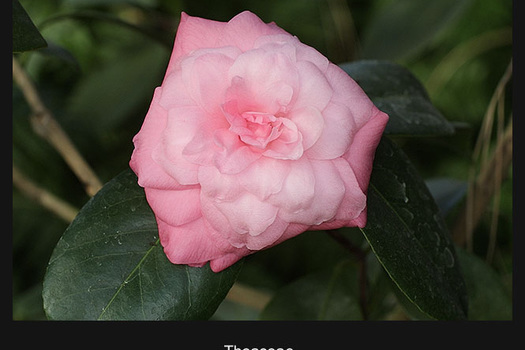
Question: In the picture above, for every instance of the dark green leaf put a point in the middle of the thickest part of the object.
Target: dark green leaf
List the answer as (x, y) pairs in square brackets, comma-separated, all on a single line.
[(402, 28), (109, 265), (25, 35), (410, 238), (326, 295), (396, 91)]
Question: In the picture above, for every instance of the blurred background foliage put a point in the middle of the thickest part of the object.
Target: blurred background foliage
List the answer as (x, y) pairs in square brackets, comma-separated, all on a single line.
[(105, 57)]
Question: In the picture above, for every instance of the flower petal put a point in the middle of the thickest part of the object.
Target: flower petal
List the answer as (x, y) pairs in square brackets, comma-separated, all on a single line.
[(264, 177), (298, 190), (175, 207), (336, 135), (361, 153), (247, 214), (309, 122), (149, 172), (189, 244), (234, 156), (204, 75), (243, 29), (329, 191), (314, 88)]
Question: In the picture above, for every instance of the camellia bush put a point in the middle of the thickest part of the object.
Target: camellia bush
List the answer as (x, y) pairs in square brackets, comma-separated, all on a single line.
[(221, 163)]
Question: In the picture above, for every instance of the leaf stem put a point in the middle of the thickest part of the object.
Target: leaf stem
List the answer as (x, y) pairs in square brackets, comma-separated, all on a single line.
[(360, 257)]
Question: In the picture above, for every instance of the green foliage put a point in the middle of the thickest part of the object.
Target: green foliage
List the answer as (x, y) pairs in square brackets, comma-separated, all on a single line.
[(325, 295), (25, 35), (97, 74), (410, 238), (395, 91), (109, 265)]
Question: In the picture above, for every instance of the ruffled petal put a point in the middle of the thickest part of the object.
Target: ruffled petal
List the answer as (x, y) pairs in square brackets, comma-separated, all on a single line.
[(298, 190), (221, 187), (336, 135), (175, 207), (362, 150), (234, 156), (180, 129), (309, 122), (247, 214), (149, 172), (244, 29), (205, 76), (194, 33), (264, 177), (314, 88), (189, 243)]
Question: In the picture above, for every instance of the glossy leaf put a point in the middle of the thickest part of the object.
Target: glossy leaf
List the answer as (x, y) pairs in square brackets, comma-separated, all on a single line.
[(410, 238), (397, 92), (109, 265), (25, 35)]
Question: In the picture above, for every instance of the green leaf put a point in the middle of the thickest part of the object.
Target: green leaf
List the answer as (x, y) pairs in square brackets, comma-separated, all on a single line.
[(109, 265), (25, 35), (397, 92), (409, 237), (488, 298), (326, 295), (403, 28)]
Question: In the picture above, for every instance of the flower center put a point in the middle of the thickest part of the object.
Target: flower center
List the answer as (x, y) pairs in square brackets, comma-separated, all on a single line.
[(254, 128), (260, 129)]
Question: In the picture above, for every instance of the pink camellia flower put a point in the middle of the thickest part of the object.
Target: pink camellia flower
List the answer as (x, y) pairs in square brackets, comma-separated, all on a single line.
[(252, 138)]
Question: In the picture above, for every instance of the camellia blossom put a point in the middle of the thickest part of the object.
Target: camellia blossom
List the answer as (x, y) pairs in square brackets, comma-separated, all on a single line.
[(252, 138)]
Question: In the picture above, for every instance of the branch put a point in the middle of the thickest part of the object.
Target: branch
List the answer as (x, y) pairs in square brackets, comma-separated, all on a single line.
[(485, 184), (45, 125), (54, 204), (483, 189), (248, 296)]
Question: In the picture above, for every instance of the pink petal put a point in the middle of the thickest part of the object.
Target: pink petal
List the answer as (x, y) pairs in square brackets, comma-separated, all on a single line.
[(194, 33), (262, 81), (264, 177), (329, 191), (205, 76), (314, 88), (183, 123), (267, 238), (175, 207), (221, 187), (347, 92), (298, 190), (336, 135), (226, 260), (289, 145), (246, 223), (309, 122), (354, 200), (234, 156), (243, 29), (149, 173), (247, 214), (189, 243), (362, 150)]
